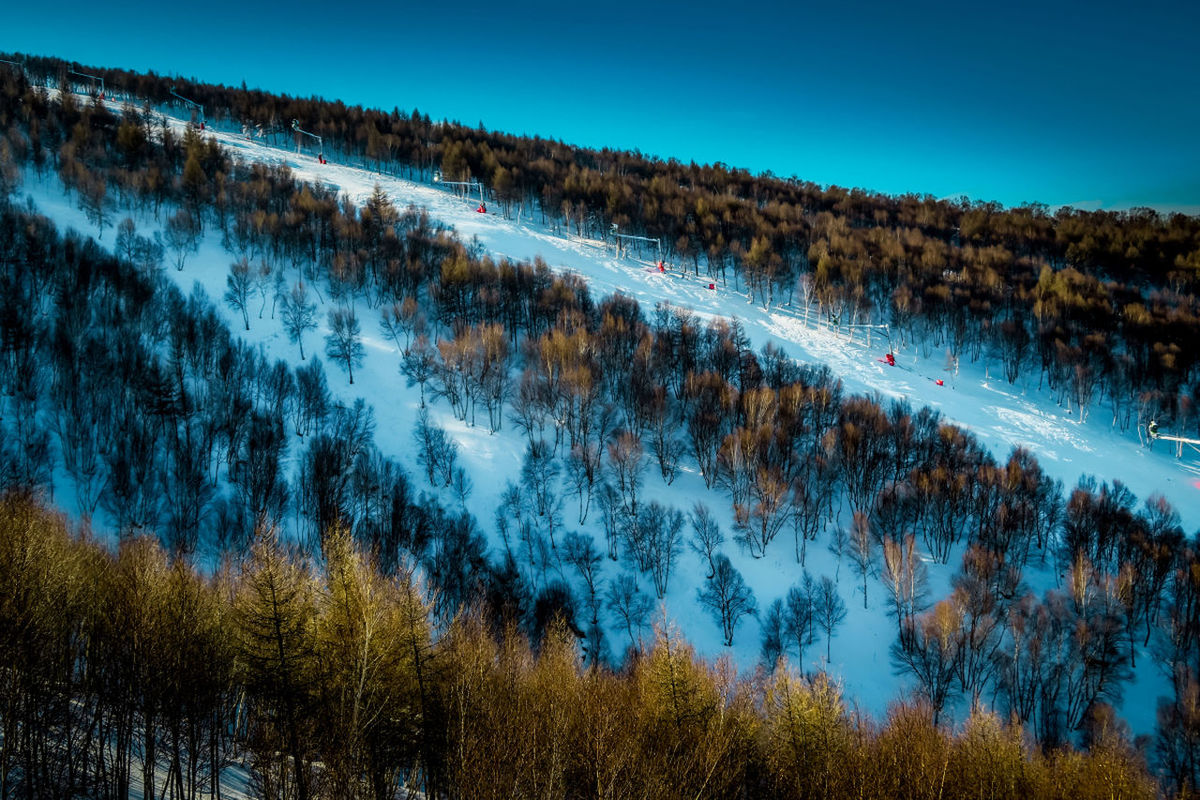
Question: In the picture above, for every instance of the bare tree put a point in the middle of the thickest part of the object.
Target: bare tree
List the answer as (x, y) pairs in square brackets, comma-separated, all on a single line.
[(773, 634), (660, 530), (419, 364), (402, 319), (626, 600), (580, 552), (581, 475), (839, 545), (612, 517), (312, 397), (148, 254), (187, 493), (763, 516), (126, 236), (626, 462), (664, 423), (531, 404), (862, 549), (828, 610), (928, 647), (539, 475), (436, 451), (259, 476), (95, 202), (706, 536), (863, 449), (262, 276), (183, 236), (799, 614), (727, 596), (80, 454), (981, 606), (344, 342), (905, 577), (237, 289), (811, 497), (298, 315), (463, 485)]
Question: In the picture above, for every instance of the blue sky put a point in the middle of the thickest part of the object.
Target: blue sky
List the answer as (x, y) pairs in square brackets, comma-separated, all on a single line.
[(1093, 104)]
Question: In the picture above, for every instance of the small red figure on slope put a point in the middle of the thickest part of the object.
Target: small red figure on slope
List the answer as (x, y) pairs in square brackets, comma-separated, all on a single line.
[(482, 209), (891, 359)]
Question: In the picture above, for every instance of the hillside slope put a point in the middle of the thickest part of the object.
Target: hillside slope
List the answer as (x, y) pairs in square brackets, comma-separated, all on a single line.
[(1002, 416)]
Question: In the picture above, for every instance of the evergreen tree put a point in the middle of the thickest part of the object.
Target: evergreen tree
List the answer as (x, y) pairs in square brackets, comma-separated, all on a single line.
[(275, 613)]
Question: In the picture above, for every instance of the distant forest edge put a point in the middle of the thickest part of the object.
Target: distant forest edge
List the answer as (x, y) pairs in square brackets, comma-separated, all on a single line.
[(1097, 302), (161, 416)]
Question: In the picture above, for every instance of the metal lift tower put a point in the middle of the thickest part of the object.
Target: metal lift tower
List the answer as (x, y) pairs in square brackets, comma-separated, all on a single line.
[(471, 185), (657, 244), (320, 142), (90, 77), (1179, 441), (191, 103)]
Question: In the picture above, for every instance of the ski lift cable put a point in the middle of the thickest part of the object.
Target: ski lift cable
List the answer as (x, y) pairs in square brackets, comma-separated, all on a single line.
[(320, 142), (657, 242), (191, 103), (90, 77), (1180, 441), (471, 184), (20, 65), (1152, 430)]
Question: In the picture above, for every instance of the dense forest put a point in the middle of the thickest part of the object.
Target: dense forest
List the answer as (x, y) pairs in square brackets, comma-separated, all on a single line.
[(331, 680), (163, 419)]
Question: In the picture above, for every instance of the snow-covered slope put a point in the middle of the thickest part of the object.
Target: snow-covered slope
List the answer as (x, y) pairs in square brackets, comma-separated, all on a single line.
[(1001, 415)]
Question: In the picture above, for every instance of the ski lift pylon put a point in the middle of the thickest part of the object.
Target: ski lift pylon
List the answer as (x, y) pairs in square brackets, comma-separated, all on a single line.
[(191, 104), (657, 243), (1152, 430), (439, 177), (90, 77), (320, 142)]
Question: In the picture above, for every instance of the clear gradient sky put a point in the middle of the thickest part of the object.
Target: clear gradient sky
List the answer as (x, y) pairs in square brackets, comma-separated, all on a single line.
[(1093, 104)]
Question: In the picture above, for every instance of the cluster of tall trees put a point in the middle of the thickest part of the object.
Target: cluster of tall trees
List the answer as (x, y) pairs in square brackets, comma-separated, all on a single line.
[(129, 670), (163, 420)]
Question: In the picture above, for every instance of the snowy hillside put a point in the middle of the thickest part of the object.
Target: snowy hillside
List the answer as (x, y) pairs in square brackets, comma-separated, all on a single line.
[(969, 394)]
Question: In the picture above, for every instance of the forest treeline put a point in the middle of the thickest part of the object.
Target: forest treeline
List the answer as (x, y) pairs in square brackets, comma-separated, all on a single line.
[(1097, 304), (130, 669), (159, 415)]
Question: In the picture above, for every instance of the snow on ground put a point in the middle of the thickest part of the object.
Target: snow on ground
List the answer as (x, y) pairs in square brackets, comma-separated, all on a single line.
[(1002, 416)]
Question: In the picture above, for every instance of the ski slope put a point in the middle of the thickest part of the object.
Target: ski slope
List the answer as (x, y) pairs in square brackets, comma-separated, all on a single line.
[(1001, 415)]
